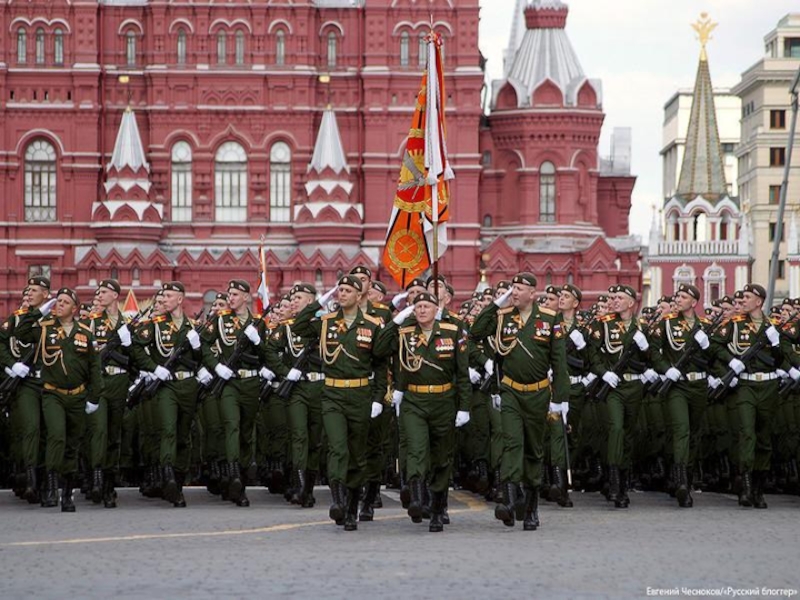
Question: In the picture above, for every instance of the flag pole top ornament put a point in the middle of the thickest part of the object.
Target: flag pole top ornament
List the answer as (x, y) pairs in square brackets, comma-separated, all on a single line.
[(704, 26)]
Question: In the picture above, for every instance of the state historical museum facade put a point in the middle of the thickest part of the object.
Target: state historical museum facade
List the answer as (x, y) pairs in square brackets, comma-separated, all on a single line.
[(152, 141)]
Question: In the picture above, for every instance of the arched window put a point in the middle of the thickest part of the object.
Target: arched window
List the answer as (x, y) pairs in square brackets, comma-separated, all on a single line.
[(487, 220), (58, 47), (331, 50), (422, 55), (280, 48), (40, 46), (700, 227), (181, 182), (40, 182), (240, 47), (280, 182), (222, 49), (547, 192), (404, 49), (130, 49), (181, 46), (22, 46), (230, 183)]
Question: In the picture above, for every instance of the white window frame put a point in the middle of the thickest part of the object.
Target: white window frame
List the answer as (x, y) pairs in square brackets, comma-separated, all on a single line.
[(230, 183)]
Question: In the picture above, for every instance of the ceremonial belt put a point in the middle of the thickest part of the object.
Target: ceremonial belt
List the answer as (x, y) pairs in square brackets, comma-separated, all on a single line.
[(114, 370), (246, 373), (758, 376), (73, 392), (430, 389), (575, 380), (346, 383), (697, 376), (525, 387), (181, 375), (314, 377), (632, 377)]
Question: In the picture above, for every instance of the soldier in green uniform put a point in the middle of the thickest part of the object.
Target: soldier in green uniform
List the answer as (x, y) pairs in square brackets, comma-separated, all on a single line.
[(756, 395), (688, 395), (26, 407), (104, 426), (236, 330), (610, 336), (297, 359), (176, 399), (355, 386), (531, 341), (433, 364), (71, 385)]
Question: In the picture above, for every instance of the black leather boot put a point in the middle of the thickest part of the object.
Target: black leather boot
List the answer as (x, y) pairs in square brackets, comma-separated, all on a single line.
[(351, 516), (689, 484), (31, 492), (746, 490), (214, 477), (96, 493), (243, 500), (505, 510), (595, 473), (170, 489), (426, 501), (624, 484), (293, 489), (482, 483), (531, 520), (299, 486), (337, 509), (556, 485), (437, 508), (180, 479), (67, 504), (225, 480), (235, 486), (497, 492), (672, 482), (615, 486), (109, 493), (445, 514), (50, 498), (372, 490), (415, 503), (758, 489), (682, 488), (308, 491), (405, 492)]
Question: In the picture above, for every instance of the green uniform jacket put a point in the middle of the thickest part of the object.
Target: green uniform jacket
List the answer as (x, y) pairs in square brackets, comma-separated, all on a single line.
[(531, 349), (12, 350), (284, 346), (155, 340), (736, 336), (669, 340), (68, 360), (219, 340), (607, 341), (104, 331), (579, 357)]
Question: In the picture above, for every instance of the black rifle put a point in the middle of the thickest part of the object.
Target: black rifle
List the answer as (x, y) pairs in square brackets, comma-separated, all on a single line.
[(300, 363), (233, 361), (10, 385), (109, 351), (689, 351)]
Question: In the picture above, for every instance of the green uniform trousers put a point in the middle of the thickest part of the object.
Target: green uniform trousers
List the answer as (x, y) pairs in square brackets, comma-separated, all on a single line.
[(496, 440), (275, 429), (732, 405), (656, 427), (238, 407), (346, 416), (524, 418), (686, 402), (130, 451), (376, 445), (177, 402), (150, 431), (104, 426), (305, 424), (756, 402), (213, 430), (429, 422), (476, 434), (65, 419), (623, 405), (27, 416)]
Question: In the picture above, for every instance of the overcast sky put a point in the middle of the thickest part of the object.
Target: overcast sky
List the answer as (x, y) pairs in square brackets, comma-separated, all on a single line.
[(644, 51)]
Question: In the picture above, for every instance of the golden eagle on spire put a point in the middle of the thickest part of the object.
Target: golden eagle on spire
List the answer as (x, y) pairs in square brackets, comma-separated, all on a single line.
[(704, 26)]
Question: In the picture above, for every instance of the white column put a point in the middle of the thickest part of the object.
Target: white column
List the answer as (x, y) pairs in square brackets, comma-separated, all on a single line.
[(741, 277)]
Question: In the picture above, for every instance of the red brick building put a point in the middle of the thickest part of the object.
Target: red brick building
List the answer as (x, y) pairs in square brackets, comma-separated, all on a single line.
[(151, 141)]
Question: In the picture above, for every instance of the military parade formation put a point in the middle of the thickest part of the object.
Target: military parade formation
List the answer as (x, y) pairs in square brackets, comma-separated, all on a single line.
[(517, 395)]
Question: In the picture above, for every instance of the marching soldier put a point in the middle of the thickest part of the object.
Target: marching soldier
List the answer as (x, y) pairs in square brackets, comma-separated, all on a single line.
[(235, 333), (355, 385), (531, 341), (71, 386), (433, 364)]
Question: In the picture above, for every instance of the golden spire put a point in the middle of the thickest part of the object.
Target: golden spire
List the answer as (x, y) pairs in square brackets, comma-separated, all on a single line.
[(704, 26)]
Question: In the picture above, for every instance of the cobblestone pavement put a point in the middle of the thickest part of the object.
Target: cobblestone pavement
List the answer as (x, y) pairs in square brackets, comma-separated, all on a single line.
[(146, 549)]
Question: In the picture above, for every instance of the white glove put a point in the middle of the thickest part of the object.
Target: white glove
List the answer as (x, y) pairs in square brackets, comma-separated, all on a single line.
[(203, 376), (21, 370), (162, 373), (194, 339), (587, 381), (503, 300), (702, 339), (673, 374), (497, 402), (462, 418), (124, 336), (400, 317), (640, 340), (736, 365), (554, 408), (611, 378), (474, 376), (651, 376), (399, 300), (397, 400), (734, 382), (252, 334), (90, 408), (294, 375), (714, 382), (773, 336), (564, 411), (326, 297), (147, 375), (47, 307), (782, 374), (265, 373), (223, 372), (794, 373), (577, 339), (377, 409), (9, 372), (488, 366)]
